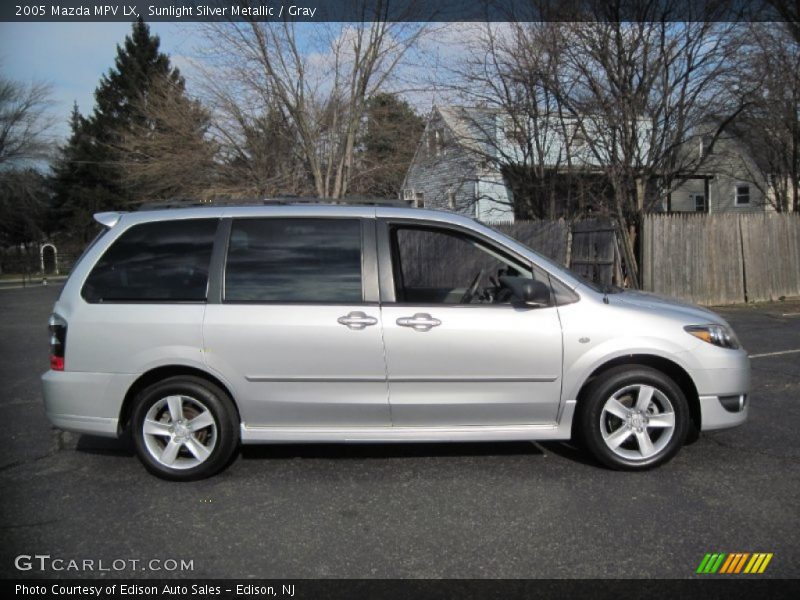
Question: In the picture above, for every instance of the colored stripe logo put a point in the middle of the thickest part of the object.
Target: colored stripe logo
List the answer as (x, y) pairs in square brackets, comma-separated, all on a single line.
[(734, 563)]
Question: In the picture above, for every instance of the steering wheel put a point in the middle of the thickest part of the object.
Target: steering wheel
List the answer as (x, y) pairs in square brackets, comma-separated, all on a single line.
[(470, 293)]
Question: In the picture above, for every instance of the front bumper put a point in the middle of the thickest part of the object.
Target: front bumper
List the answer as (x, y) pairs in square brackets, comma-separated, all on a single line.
[(723, 389), (714, 415), (85, 402)]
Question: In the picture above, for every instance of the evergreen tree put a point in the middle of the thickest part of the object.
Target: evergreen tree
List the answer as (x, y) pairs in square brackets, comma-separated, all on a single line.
[(87, 175), (78, 190), (387, 145)]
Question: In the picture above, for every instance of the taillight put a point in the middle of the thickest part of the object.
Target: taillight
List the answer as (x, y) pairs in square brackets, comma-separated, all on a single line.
[(58, 341)]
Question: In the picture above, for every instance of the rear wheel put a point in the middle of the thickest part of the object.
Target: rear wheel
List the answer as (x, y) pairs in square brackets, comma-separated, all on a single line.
[(184, 428), (633, 418)]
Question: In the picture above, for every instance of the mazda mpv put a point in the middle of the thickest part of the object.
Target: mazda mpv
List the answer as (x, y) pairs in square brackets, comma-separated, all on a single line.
[(197, 329)]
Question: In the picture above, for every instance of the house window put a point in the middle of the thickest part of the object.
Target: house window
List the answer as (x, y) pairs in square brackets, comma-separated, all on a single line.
[(440, 147), (742, 194), (578, 138), (408, 195), (435, 141), (705, 145), (431, 141), (419, 200), (699, 202), (451, 199)]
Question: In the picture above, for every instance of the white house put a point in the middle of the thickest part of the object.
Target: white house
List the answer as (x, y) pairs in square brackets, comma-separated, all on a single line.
[(459, 160), (728, 179)]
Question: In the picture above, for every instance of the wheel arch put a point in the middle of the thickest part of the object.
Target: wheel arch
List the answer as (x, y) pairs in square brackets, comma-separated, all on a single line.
[(669, 368), (160, 373)]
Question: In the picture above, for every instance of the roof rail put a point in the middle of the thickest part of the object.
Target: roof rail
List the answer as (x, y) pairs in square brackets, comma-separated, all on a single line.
[(165, 204), (353, 200), (280, 200)]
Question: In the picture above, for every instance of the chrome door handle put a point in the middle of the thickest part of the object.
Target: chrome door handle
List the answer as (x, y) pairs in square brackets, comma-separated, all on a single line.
[(357, 320), (419, 322)]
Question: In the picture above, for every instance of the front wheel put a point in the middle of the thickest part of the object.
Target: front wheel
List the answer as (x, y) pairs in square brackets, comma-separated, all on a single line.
[(184, 428), (633, 418)]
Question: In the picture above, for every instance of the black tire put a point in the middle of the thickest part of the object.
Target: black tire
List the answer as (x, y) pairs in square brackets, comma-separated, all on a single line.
[(215, 443), (598, 419)]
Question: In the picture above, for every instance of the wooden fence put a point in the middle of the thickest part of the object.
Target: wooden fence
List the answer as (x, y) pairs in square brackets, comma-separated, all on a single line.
[(550, 238), (590, 247), (595, 251), (721, 258)]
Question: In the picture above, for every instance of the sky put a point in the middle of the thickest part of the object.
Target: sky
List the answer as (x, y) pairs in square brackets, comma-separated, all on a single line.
[(72, 57)]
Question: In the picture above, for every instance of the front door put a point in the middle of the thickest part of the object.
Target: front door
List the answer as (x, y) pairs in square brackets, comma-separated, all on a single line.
[(296, 334), (459, 349)]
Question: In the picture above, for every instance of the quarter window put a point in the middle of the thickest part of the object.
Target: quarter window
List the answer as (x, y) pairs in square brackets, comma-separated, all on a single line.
[(164, 261), (294, 260)]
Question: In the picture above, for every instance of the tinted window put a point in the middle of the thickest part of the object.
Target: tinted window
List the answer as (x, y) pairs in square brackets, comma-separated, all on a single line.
[(440, 266), (163, 261), (294, 260)]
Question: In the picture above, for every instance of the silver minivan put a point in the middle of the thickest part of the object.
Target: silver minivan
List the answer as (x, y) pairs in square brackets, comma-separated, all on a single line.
[(198, 329)]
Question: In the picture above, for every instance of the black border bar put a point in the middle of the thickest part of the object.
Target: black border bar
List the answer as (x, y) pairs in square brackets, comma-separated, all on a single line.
[(710, 588), (392, 10)]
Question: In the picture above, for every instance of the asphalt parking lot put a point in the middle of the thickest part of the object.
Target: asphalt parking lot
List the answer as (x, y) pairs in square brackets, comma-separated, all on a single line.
[(514, 510)]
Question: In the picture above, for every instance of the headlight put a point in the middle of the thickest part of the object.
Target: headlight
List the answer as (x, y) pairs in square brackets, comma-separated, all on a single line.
[(719, 335)]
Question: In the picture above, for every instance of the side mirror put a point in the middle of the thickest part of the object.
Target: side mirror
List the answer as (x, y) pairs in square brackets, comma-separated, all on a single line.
[(529, 291), (535, 293)]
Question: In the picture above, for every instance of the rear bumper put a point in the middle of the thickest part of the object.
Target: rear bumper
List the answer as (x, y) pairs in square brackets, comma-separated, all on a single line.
[(101, 426), (85, 402)]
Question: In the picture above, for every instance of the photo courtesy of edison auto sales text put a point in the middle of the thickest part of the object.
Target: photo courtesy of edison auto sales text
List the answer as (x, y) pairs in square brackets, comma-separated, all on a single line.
[(169, 589)]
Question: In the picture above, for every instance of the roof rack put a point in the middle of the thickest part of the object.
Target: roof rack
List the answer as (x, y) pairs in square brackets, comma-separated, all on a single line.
[(281, 200)]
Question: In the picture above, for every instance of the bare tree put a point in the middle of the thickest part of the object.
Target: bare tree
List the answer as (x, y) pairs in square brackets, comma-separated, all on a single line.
[(770, 127), (789, 12), (513, 74), (23, 206), (24, 121), (165, 154), (24, 124), (613, 103), (319, 81), (260, 154)]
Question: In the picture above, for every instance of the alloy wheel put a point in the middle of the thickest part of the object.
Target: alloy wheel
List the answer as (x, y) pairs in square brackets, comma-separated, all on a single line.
[(179, 432), (637, 422)]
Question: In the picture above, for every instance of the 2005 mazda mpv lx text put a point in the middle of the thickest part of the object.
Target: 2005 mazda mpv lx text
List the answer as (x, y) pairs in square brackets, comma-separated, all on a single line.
[(196, 329)]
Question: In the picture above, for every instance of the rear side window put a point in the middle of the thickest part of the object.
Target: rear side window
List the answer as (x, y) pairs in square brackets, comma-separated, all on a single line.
[(166, 261), (294, 260)]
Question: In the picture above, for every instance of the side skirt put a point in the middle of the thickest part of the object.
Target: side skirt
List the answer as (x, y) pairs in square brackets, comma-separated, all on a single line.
[(464, 433)]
